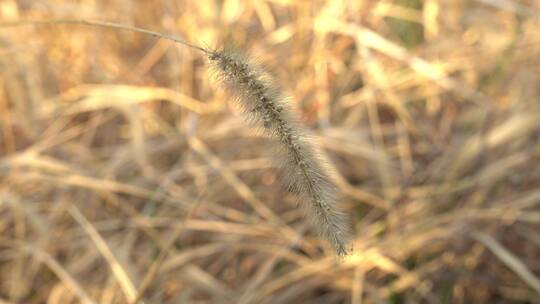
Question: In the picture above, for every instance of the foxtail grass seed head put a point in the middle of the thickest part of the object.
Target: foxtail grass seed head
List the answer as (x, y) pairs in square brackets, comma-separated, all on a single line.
[(304, 173)]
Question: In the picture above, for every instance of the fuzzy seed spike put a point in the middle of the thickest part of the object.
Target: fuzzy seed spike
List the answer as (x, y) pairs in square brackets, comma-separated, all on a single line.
[(304, 172)]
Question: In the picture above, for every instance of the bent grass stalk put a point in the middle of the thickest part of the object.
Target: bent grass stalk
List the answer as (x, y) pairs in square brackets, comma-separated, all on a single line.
[(261, 101)]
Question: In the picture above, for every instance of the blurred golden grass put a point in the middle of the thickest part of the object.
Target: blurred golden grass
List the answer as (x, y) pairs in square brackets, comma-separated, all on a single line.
[(127, 175)]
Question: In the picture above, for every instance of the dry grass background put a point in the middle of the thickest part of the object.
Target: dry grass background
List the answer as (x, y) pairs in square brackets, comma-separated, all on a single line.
[(127, 174)]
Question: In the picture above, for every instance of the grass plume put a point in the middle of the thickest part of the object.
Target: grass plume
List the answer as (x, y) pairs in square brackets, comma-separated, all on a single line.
[(304, 173)]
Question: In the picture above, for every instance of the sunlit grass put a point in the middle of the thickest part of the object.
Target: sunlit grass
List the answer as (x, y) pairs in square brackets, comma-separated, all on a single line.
[(128, 174)]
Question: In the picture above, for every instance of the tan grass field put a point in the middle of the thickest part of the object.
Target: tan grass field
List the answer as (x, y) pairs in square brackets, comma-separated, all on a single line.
[(129, 174)]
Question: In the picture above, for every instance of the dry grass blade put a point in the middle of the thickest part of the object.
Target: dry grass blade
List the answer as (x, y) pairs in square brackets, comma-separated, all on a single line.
[(206, 281), (264, 272), (118, 271), (87, 98), (241, 188), (509, 260), (154, 269), (60, 271), (358, 285), (513, 6)]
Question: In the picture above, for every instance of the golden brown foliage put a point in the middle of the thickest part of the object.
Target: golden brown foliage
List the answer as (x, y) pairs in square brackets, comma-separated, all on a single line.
[(126, 175)]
